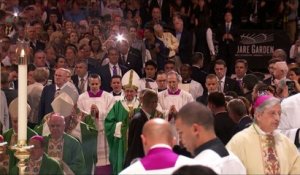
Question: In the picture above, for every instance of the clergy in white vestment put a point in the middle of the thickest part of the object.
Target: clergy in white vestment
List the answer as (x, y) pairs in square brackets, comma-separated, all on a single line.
[(157, 138), (195, 125), (116, 85), (189, 85), (172, 99), (290, 119), (260, 147), (149, 80), (97, 103)]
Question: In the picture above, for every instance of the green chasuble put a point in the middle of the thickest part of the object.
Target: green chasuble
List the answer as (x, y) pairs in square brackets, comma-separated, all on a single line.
[(89, 146), (49, 166), (118, 146), (89, 143), (7, 137), (72, 154)]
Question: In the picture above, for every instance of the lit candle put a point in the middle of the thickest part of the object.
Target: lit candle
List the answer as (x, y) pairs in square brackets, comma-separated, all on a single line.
[(22, 99)]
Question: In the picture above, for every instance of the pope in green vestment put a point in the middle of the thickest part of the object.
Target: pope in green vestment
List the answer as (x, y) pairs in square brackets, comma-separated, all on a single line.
[(117, 121), (49, 166), (117, 143), (72, 154)]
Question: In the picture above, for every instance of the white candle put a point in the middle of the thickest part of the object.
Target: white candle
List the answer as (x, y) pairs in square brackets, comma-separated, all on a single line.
[(22, 100), (22, 55)]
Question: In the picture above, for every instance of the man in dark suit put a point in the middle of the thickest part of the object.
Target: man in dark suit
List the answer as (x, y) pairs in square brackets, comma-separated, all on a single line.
[(80, 79), (10, 94), (34, 43), (238, 113), (224, 126), (50, 91), (211, 84), (164, 6), (135, 147), (130, 57), (185, 39), (228, 41), (225, 83), (111, 69), (198, 74)]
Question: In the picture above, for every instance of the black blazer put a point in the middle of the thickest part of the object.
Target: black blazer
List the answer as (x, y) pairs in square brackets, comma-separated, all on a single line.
[(185, 48), (38, 46), (105, 75), (46, 99), (232, 85), (199, 76), (135, 146), (133, 61), (234, 31), (165, 9), (224, 127), (268, 81), (76, 82), (203, 99)]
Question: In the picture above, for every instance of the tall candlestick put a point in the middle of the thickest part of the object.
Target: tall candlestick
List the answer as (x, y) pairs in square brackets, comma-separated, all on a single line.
[(22, 99)]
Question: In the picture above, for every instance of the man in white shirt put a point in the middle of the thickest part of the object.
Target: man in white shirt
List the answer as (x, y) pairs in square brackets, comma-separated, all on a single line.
[(195, 126)]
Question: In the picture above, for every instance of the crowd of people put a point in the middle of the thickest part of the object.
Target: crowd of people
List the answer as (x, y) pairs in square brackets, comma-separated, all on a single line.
[(139, 87)]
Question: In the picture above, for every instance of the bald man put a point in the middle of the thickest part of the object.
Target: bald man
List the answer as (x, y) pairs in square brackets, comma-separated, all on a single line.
[(157, 139), (63, 147)]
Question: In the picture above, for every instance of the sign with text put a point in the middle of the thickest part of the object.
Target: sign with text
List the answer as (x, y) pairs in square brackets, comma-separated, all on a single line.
[(257, 46)]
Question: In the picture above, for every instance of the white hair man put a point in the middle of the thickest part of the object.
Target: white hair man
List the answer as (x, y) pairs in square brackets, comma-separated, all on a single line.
[(261, 149)]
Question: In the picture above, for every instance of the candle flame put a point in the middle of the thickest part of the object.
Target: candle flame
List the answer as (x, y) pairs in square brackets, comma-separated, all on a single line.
[(22, 53)]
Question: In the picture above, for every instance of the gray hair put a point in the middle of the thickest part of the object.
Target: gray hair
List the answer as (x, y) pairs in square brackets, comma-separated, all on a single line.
[(281, 65), (174, 73), (266, 104)]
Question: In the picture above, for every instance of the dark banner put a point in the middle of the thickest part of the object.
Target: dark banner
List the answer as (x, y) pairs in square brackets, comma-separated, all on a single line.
[(257, 46)]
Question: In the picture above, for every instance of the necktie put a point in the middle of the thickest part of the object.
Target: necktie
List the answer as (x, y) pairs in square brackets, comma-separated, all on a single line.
[(81, 87), (269, 154), (227, 28), (123, 59), (240, 83), (115, 70), (220, 86)]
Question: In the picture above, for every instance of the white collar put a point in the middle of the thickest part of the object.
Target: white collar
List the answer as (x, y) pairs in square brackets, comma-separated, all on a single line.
[(111, 65), (259, 131), (147, 114), (84, 77), (161, 145), (222, 80)]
